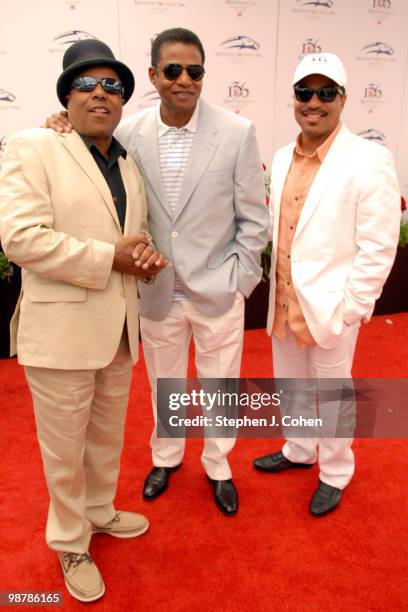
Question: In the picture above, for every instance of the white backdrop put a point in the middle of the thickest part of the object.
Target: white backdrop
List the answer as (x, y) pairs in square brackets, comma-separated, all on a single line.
[(252, 48)]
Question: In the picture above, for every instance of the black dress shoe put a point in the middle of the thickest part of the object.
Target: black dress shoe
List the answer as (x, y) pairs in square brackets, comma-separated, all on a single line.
[(276, 462), (325, 499), (225, 496), (157, 481)]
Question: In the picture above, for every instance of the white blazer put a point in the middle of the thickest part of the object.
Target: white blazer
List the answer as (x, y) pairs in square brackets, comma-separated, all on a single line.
[(346, 238)]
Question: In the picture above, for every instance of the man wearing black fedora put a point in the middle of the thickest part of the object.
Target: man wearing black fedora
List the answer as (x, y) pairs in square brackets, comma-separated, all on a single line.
[(73, 216)]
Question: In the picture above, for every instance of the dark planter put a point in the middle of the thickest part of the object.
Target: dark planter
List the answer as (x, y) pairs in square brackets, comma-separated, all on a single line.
[(9, 292), (394, 297)]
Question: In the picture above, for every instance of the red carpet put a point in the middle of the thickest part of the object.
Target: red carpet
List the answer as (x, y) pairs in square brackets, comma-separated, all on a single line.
[(272, 556)]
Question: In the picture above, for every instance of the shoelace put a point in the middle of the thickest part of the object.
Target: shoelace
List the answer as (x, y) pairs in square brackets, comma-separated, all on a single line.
[(76, 559)]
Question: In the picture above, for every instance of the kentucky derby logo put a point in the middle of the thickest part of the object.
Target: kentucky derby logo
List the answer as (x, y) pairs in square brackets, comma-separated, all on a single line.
[(380, 4), (238, 90), (238, 97), (311, 46), (240, 42), (6, 96), (240, 48), (372, 97), (378, 48), (372, 92), (313, 9), (377, 52), (380, 10), (372, 134), (317, 3), (67, 38)]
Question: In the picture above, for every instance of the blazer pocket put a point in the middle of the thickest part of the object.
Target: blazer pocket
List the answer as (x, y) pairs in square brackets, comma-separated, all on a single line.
[(216, 260), (57, 293)]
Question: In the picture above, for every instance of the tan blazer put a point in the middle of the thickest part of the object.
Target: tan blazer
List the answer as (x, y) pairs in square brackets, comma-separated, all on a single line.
[(346, 238), (59, 223)]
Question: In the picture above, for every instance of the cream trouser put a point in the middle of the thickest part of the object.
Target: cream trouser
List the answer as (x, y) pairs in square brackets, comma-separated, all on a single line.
[(335, 456), (218, 351), (80, 417)]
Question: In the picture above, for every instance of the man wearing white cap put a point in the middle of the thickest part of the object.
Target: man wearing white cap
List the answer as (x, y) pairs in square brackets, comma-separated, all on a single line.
[(335, 206)]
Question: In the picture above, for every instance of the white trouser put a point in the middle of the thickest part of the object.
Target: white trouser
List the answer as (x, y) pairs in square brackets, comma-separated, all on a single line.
[(335, 456), (218, 351), (80, 417)]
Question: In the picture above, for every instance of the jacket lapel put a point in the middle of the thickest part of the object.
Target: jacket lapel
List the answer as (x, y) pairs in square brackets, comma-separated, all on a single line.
[(84, 159), (323, 179), (147, 146), (204, 146)]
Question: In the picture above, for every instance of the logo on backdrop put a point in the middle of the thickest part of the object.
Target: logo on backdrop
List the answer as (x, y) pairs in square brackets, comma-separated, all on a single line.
[(380, 9), (160, 7), (372, 97), (2, 144), (239, 48), (238, 97), (376, 52), (310, 45), (62, 41), (314, 9), (240, 42), (6, 96), (373, 134), (378, 48), (241, 6), (7, 99), (150, 98)]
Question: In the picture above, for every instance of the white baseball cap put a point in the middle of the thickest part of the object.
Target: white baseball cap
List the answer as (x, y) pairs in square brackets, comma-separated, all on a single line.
[(327, 64)]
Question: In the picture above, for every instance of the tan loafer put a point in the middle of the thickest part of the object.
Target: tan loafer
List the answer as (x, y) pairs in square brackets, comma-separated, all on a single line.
[(82, 578), (124, 525)]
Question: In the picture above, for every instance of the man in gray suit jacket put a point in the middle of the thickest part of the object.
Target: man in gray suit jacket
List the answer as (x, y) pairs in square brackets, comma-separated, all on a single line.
[(207, 215)]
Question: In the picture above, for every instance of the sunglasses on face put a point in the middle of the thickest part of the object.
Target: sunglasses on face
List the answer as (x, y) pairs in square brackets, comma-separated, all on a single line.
[(325, 94), (173, 71), (89, 83)]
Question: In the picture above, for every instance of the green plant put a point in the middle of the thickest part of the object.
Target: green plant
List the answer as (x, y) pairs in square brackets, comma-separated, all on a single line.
[(403, 239), (6, 270)]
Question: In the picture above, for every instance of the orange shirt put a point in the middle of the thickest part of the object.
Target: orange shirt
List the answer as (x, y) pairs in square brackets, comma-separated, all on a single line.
[(298, 182)]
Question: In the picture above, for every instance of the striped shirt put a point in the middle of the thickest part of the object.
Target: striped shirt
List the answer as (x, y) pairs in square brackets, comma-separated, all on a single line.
[(174, 150)]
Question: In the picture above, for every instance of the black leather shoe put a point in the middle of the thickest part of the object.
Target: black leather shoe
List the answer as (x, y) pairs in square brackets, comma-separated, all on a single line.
[(157, 481), (276, 462), (325, 499), (225, 496)]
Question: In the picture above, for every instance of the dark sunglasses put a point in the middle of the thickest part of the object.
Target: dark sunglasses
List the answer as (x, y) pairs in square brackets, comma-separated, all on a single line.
[(89, 83), (325, 94), (173, 71)]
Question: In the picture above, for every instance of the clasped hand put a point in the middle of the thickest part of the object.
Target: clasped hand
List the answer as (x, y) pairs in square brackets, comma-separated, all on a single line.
[(135, 255)]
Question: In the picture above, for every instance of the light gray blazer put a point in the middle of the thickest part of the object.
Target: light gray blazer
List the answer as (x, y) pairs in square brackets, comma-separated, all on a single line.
[(220, 228)]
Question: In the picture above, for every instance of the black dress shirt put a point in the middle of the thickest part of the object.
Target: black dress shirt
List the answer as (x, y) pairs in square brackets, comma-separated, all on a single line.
[(111, 172)]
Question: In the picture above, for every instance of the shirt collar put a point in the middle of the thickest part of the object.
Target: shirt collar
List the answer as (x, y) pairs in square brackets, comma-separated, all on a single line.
[(191, 126), (321, 151), (115, 150)]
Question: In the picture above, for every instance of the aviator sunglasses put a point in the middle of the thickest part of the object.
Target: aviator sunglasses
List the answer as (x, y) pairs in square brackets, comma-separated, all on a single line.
[(325, 94), (173, 71), (89, 83)]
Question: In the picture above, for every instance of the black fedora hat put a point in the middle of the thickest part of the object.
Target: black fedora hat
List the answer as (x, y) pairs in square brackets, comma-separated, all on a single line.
[(86, 53)]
